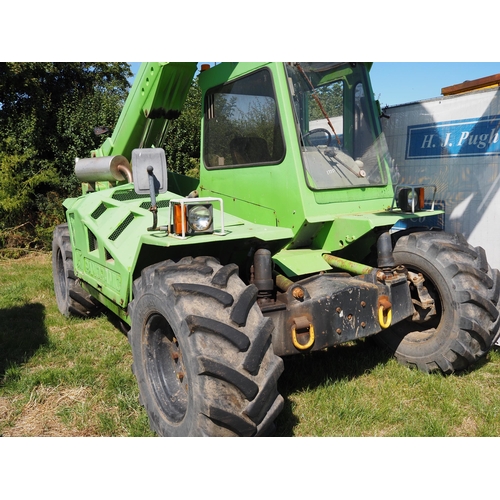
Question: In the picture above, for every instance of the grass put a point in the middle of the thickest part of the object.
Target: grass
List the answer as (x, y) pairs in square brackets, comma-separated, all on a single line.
[(61, 377), (357, 390)]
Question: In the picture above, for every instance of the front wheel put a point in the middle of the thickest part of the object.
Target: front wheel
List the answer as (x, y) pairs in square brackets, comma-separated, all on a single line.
[(463, 321), (202, 351)]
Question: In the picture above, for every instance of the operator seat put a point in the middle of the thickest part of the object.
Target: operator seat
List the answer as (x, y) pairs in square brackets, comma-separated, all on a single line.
[(249, 150)]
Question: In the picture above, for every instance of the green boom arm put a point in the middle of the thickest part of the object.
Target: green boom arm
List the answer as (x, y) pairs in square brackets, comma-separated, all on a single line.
[(156, 97)]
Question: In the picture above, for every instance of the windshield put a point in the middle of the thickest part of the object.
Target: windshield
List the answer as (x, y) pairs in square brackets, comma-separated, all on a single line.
[(339, 141)]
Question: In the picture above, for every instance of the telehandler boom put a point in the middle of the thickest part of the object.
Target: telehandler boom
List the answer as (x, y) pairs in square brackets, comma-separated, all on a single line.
[(283, 246)]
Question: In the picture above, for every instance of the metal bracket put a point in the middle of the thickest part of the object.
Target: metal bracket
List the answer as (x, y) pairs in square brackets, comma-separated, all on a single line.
[(195, 201), (426, 307)]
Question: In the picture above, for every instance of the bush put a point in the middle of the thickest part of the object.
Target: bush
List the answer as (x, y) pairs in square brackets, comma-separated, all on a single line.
[(48, 112)]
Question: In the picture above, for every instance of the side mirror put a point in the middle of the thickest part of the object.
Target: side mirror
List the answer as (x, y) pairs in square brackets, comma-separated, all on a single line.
[(142, 160), (381, 112), (149, 167)]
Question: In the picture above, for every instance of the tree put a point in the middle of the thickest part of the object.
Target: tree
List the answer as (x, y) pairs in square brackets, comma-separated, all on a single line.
[(48, 112), (182, 147), (331, 98)]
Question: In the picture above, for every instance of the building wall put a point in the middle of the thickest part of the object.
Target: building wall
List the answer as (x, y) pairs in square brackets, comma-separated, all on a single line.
[(454, 143)]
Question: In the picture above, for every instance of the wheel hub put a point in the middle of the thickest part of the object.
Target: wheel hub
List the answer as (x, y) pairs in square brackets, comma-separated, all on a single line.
[(165, 367)]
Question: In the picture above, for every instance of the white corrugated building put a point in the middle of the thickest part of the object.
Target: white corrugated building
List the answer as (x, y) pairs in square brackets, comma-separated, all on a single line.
[(454, 142)]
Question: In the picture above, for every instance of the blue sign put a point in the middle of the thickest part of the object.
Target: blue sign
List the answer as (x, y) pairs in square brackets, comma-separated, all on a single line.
[(458, 138)]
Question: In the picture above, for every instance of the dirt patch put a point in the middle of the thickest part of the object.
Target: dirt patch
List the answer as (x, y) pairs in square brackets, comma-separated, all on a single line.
[(6, 409), (39, 417), (467, 428), (12, 256)]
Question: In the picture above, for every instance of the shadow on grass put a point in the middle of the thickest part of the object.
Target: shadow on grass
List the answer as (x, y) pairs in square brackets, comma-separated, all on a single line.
[(117, 323), (344, 362), (22, 332)]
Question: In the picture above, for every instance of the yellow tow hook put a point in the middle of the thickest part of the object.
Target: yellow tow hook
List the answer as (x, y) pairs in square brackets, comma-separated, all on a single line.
[(302, 323), (384, 312)]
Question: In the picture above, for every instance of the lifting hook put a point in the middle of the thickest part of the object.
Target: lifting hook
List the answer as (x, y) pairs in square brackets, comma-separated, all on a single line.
[(303, 324)]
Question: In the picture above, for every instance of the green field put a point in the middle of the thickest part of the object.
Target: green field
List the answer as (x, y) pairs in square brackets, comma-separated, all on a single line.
[(61, 377)]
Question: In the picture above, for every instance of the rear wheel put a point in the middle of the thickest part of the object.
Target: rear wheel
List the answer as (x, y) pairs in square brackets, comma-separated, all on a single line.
[(465, 292), (72, 299), (202, 352)]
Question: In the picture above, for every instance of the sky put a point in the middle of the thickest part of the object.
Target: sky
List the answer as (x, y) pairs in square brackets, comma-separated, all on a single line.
[(403, 82)]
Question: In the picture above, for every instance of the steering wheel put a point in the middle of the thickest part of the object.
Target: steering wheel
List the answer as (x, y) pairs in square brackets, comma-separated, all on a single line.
[(316, 131)]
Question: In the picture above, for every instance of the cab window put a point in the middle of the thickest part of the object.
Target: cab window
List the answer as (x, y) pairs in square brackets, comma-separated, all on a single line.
[(242, 125)]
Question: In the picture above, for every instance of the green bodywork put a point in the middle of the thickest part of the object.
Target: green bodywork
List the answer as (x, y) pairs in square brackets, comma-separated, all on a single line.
[(111, 243), (270, 205)]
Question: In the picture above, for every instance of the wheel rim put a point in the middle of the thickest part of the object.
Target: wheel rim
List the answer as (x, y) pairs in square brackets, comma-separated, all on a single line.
[(165, 368)]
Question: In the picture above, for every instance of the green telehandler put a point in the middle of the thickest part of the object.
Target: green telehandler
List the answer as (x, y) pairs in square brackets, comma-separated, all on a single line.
[(285, 244)]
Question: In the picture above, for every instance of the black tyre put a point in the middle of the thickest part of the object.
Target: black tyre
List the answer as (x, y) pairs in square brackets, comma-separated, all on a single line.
[(465, 291), (202, 352), (72, 299)]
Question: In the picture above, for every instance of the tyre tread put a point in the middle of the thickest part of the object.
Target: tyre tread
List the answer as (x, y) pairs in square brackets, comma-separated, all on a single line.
[(221, 371), (244, 303), (237, 338), (237, 424)]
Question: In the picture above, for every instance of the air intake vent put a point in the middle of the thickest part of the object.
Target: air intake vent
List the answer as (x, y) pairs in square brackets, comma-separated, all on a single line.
[(109, 257), (119, 230), (160, 204), (92, 241), (98, 211), (128, 195)]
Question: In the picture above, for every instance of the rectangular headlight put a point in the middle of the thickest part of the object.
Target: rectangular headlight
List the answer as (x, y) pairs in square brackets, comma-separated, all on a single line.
[(191, 219), (411, 199)]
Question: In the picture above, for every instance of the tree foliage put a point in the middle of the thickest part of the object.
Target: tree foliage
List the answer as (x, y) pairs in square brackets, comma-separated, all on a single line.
[(48, 112), (182, 147), (331, 98)]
